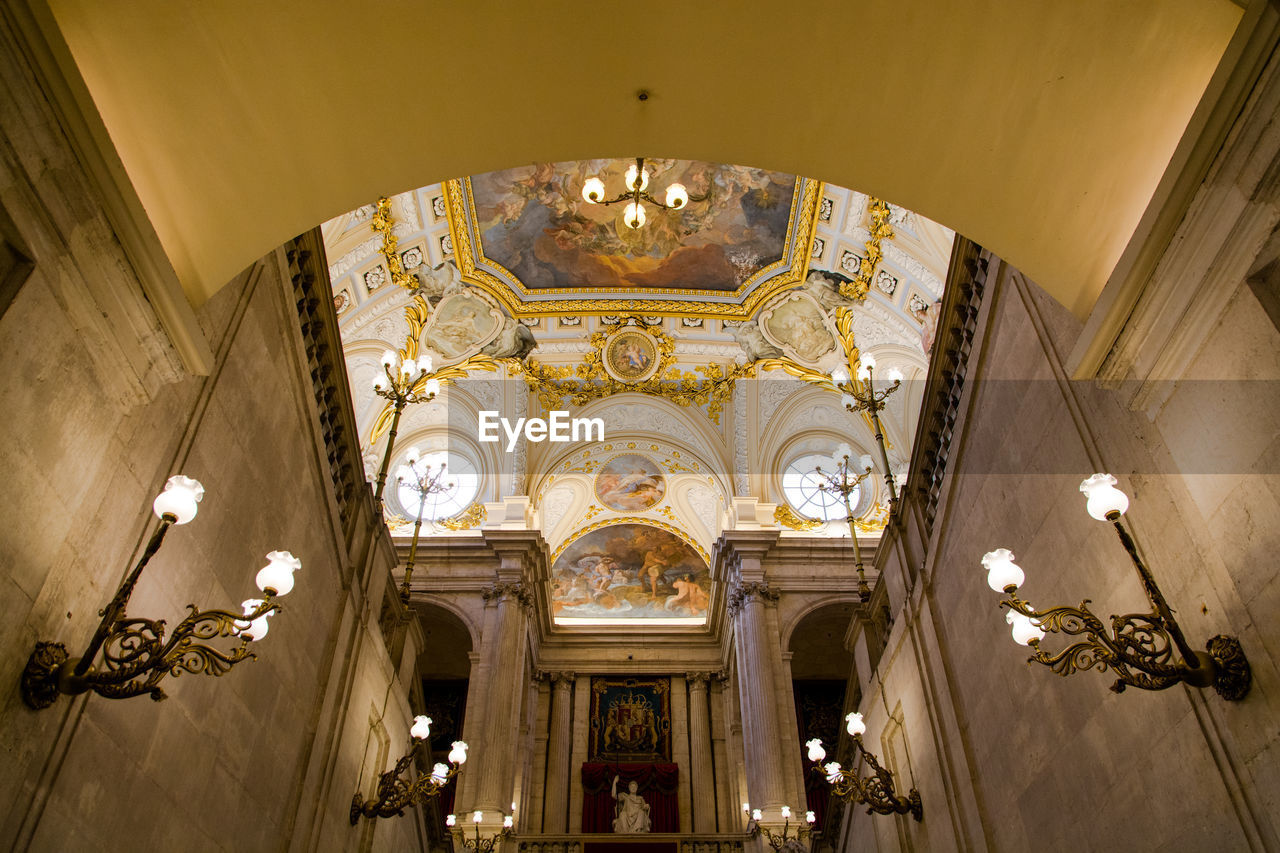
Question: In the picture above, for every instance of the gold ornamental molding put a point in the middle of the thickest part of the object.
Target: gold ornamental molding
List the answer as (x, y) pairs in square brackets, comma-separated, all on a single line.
[(470, 517), (630, 519), (522, 301), (784, 515), (880, 230)]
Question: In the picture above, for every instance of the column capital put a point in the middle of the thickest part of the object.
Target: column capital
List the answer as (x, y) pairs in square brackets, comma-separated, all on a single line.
[(516, 590), (743, 591), (698, 679)]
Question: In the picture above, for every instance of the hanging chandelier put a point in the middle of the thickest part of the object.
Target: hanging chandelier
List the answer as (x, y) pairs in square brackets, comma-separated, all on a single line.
[(637, 184)]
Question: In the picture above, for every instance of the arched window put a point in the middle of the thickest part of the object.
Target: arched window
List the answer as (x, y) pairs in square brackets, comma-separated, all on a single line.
[(460, 471), (800, 481)]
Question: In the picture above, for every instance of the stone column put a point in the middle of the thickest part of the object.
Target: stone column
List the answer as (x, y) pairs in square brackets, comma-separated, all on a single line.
[(701, 775), (559, 744), (503, 653), (761, 723)]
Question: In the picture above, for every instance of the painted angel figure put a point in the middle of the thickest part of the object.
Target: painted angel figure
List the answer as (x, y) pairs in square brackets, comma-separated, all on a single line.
[(632, 811)]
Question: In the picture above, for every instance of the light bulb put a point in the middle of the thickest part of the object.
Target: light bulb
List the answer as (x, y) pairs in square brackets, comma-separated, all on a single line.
[(633, 215), (810, 817), (833, 772), (816, 752), (840, 375), (746, 807), (450, 820), (476, 817), (389, 358), (1003, 574), (508, 822), (633, 173), (593, 190), (855, 725), (458, 755), (757, 815), (677, 196), (1104, 497), (380, 382), (432, 387), (276, 577), (425, 364), (421, 728), (179, 499), (786, 812), (440, 774), (409, 367), (868, 361)]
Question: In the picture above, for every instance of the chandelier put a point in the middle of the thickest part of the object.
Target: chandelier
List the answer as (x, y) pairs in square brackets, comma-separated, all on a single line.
[(637, 184)]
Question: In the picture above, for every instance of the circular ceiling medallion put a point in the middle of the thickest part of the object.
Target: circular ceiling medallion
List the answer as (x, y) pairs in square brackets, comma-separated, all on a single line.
[(630, 356)]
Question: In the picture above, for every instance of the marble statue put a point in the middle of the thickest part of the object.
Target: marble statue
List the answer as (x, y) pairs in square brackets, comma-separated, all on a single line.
[(632, 810), (825, 287), (514, 341)]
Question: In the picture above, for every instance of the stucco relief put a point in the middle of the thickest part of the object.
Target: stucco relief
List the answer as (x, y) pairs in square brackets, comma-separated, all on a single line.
[(554, 505)]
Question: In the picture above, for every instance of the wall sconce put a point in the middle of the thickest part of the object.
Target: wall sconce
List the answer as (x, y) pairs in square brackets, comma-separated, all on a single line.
[(401, 382), (425, 483), (135, 654), (1139, 648), (482, 843), (877, 790), (865, 398), (844, 483), (395, 794), (777, 840)]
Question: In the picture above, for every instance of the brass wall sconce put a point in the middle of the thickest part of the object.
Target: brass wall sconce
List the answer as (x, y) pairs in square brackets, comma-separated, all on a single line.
[(394, 793), (478, 843), (135, 653), (401, 382), (877, 790), (1139, 647), (866, 398), (844, 482), (783, 837), (425, 483), (637, 184)]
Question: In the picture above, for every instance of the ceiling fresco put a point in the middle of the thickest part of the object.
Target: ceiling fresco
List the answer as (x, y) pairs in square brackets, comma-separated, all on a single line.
[(527, 236)]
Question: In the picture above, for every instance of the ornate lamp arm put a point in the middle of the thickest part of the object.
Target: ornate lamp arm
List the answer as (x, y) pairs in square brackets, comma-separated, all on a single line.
[(844, 483), (483, 843), (396, 792), (875, 791), (135, 656), (401, 382), (866, 398), (778, 840)]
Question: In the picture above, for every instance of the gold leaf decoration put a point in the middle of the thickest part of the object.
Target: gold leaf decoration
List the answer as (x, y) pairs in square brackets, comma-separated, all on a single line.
[(470, 517), (784, 515), (880, 230)]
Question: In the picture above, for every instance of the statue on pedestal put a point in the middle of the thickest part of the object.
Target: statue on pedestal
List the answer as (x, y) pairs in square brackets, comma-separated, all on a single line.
[(632, 814)]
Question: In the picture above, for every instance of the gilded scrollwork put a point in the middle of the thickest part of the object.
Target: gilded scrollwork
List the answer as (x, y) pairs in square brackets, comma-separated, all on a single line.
[(470, 517)]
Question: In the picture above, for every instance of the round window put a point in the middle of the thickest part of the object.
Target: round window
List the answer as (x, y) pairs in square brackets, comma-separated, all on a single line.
[(800, 482), (461, 480)]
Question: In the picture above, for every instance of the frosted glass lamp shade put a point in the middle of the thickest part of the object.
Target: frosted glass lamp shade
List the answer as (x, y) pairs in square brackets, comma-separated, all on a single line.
[(276, 577), (855, 725), (633, 215), (839, 375), (833, 772), (440, 773), (810, 817), (893, 374), (757, 815), (389, 358), (848, 401), (421, 728), (786, 812), (451, 820), (405, 474), (843, 451), (413, 454), (1024, 628), (508, 822), (458, 755), (425, 364), (179, 499), (409, 367), (866, 364), (476, 817), (633, 173), (677, 196), (1003, 574), (432, 387), (864, 462), (257, 629), (593, 190), (816, 752), (746, 807), (1103, 497), (380, 381)]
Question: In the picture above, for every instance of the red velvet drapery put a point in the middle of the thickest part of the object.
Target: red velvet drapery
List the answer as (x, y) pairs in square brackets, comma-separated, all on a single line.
[(655, 782)]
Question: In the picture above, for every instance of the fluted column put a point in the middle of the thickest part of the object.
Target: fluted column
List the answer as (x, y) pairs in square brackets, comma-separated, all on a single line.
[(556, 810), (504, 659), (702, 779), (760, 716)]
